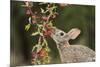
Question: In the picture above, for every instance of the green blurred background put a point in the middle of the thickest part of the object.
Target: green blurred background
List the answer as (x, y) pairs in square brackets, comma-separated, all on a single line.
[(72, 16)]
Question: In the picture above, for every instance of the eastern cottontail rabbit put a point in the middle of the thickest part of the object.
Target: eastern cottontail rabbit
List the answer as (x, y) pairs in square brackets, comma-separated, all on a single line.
[(71, 53)]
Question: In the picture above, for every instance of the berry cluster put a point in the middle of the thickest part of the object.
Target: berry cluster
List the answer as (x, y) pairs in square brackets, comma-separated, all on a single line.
[(40, 52), (41, 56)]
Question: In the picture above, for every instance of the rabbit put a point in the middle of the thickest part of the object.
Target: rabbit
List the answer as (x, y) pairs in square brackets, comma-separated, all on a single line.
[(71, 53)]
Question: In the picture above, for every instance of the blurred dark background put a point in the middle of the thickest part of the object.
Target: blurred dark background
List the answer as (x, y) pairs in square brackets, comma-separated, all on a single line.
[(71, 16)]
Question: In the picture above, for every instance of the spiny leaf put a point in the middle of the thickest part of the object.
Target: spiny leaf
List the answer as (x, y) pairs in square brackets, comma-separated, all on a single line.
[(27, 27), (42, 10)]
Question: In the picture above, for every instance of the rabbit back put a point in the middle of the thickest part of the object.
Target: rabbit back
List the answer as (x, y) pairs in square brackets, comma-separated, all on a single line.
[(76, 53)]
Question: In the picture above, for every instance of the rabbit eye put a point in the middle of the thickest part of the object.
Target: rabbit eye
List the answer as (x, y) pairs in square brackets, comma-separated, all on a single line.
[(61, 33)]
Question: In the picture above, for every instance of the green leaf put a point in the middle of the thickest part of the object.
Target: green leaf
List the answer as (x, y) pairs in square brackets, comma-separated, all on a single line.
[(35, 33), (27, 27)]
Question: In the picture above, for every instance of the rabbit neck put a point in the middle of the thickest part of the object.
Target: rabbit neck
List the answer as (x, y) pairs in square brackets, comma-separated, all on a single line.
[(61, 47)]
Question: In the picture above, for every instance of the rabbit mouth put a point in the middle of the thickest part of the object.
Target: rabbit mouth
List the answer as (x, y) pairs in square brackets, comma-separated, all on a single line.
[(53, 34)]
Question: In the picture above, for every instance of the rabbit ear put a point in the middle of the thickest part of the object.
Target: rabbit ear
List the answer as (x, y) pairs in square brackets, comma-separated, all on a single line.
[(73, 33)]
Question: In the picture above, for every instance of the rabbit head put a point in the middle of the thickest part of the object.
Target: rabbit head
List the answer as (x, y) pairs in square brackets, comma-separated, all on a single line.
[(60, 36)]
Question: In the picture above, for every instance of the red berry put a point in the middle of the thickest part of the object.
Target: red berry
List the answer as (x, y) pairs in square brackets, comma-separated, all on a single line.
[(33, 17), (42, 52), (33, 21), (33, 54), (44, 18), (47, 26), (47, 32)]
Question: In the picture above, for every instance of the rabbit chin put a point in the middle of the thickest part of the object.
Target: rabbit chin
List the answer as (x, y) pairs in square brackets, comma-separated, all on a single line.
[(54, 38)]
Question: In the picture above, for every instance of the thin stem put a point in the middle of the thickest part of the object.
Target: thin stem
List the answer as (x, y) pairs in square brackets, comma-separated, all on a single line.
[(39, 41)]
